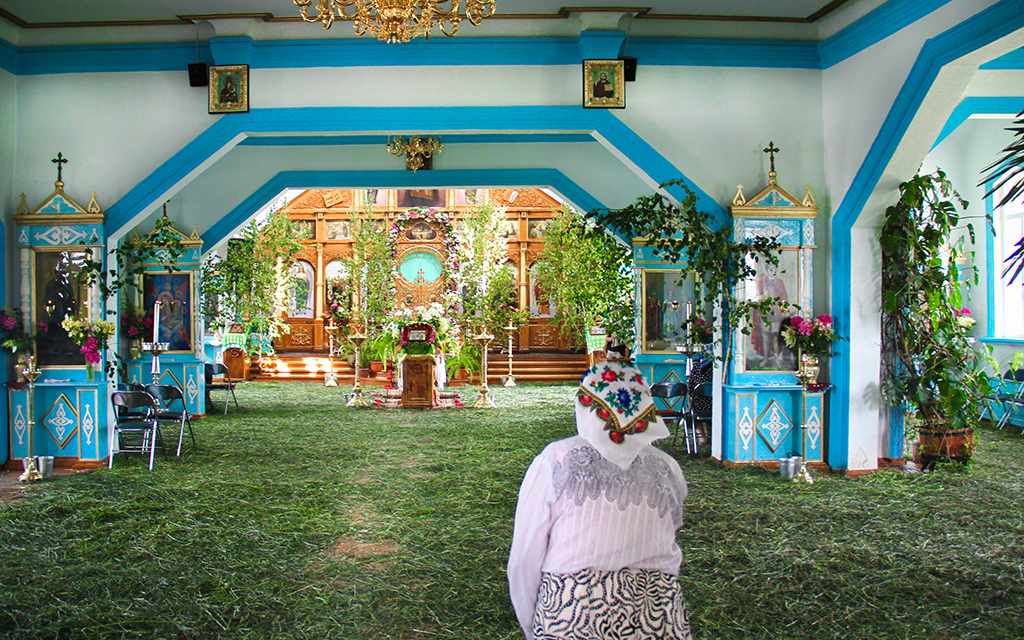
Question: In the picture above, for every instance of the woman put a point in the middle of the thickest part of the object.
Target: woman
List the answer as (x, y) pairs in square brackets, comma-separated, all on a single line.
[(593, 552)]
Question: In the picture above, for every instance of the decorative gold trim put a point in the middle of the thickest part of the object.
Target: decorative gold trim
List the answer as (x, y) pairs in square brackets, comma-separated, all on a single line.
[(46, 219)]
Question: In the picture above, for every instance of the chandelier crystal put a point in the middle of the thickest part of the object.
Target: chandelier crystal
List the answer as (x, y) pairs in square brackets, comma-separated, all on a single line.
[(396, 20)]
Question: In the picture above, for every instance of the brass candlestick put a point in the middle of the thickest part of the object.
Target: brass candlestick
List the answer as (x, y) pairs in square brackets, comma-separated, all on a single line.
[(31, 473), (804, 376), (484, 401), (510, 380), (357, 399), (155, 349)]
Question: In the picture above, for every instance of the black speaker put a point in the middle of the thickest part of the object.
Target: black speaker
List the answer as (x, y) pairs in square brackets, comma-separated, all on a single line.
[(197, 75), (630, 68)]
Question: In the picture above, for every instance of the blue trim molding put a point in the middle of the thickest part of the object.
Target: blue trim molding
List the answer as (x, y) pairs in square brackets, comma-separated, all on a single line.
[(979, 105), (229, 131), (889, 18), (989, 25), (225, 226)]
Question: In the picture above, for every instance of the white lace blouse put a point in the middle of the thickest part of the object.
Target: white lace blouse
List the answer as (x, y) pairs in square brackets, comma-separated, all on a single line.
[(577, 510)]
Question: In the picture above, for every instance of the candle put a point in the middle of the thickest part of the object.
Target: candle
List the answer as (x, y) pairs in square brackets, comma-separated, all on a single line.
[(156, 320), (689, 309)]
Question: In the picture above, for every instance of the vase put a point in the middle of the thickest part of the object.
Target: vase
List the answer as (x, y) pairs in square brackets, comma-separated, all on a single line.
[(134, 349), (88, 371), (808, 371), (939, 442), (20, 367)]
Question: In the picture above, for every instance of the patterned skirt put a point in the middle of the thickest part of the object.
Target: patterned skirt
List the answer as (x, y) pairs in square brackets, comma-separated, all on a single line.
[(629, 604)]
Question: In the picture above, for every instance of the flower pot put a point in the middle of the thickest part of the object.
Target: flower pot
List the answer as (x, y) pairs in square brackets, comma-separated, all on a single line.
[(376, 366), (938, 443), (365, 373), (20, 367)]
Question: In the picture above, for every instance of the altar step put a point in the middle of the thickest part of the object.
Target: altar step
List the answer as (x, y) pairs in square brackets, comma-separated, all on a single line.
[(307, 367)]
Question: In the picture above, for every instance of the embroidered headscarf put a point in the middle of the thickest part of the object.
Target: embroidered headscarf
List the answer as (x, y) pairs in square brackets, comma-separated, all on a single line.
[(615, 412)]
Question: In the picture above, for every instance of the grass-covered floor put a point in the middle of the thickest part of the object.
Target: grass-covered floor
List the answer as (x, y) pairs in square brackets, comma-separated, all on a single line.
[(300, 518)]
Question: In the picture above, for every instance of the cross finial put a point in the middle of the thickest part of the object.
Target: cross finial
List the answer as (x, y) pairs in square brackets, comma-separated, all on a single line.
[(771, 150), (60, 160)]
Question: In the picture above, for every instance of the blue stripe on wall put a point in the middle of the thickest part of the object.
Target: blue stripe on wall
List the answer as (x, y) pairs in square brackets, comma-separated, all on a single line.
[(979, 105), (393, 179), (889, 18), (377, 140), (8, 57), (983, 28), (228, 131), (1011, 61)]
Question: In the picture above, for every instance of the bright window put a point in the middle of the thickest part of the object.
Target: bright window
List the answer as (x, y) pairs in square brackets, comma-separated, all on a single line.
[(1009, 224)]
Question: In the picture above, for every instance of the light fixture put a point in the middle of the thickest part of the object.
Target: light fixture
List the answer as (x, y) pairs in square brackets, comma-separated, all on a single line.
[(397, 20), (418, 151)]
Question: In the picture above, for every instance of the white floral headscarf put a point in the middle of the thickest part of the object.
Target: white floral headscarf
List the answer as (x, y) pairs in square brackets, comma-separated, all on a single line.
[(615, 412)]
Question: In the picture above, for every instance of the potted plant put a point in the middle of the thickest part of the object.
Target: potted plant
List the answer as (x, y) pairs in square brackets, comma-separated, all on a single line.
[(930, 365)]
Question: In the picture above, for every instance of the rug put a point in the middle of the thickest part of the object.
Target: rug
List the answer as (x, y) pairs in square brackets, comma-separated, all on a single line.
[(392, 399)]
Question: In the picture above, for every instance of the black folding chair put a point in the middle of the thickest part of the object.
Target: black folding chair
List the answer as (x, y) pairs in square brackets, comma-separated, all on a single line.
[(667, 391), (699, 404), (167, 395), (136, 428), (218, 379)]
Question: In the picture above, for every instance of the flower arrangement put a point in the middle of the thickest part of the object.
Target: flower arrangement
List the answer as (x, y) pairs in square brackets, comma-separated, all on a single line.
[(12, 333), (811, 336), (446, 231), (964, 319), (91, 336), (339, 301), (134, 325), (700, 331)]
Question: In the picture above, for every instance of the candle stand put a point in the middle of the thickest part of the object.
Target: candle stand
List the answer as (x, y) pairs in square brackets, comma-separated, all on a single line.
[(31, 473), (510, 380), (804, 375), (484, 401), (155, 349), (357, 399)]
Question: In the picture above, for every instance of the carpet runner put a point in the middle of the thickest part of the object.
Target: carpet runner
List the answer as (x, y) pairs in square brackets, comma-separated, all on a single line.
[(392, 399)]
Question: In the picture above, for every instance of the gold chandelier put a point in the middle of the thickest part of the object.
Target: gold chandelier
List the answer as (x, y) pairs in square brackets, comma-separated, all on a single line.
[(418, 152), (397, 20)]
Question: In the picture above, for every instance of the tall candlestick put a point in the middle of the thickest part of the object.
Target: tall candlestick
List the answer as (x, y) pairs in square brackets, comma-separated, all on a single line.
[(156, 321)]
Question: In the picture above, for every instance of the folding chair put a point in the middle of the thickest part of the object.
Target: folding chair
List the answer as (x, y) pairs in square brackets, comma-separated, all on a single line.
[(1013, 403), (135, 414), (223, 383), (166, 395), (699, 407), (666, 391)]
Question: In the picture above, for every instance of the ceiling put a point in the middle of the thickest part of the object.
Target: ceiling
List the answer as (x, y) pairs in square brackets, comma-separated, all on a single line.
[(35, 14)]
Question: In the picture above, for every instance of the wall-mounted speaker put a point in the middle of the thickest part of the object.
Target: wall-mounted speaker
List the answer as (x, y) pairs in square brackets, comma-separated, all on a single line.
[(197, 75), (630, 68)]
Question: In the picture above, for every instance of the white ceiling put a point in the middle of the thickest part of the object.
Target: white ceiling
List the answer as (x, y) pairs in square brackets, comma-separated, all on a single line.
[(34, 12)]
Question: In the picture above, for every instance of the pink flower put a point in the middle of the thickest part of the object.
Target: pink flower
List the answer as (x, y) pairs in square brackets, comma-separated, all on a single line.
[(796, 321), (9, 323), (148, 322), (45, 328), (91, 344), (133, 331), (124, 321), (805, 329), (825, 319)]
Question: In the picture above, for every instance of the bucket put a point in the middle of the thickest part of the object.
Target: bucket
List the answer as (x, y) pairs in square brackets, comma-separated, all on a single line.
[(785, 468), (45, 465)]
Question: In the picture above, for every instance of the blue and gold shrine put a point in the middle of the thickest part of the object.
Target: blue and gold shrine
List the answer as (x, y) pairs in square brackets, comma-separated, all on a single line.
[(66, 413), (767, 414)]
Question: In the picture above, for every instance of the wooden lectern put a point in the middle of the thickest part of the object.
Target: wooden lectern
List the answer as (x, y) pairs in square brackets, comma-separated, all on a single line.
[(418, 381)]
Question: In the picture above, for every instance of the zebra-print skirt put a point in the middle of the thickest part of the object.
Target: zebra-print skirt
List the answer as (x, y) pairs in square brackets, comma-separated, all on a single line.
[(629, 604)]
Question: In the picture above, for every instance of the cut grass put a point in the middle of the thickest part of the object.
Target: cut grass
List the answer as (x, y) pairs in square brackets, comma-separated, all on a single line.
[(300, 518)]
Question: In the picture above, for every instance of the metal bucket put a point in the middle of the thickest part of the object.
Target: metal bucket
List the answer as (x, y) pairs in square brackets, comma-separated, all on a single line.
[(45, 466)]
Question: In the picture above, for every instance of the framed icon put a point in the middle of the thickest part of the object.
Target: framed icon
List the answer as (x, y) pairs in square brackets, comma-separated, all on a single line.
[(604, 84), (229, 88)]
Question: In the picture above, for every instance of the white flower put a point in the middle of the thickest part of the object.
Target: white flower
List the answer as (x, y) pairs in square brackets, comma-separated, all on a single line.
[(965, 321)]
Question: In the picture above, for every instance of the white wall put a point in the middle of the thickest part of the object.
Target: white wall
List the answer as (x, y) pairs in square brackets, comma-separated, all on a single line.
[(8, 151)]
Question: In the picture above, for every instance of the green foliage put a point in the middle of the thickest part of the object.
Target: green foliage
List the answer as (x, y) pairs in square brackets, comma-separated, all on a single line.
[(250, 285), (163, 245), (487, 285), (371, 269), (589, 276), (717, 262), (927, 359), (1009, 171)]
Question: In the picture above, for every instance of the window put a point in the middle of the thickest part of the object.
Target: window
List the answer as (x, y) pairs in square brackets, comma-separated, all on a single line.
[(1009, 298)]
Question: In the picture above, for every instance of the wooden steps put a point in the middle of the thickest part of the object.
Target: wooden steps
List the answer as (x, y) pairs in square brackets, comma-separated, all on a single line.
[(552, 368)]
